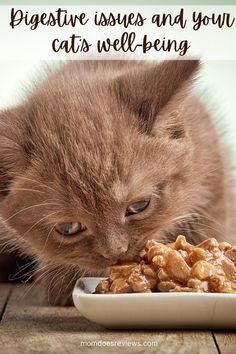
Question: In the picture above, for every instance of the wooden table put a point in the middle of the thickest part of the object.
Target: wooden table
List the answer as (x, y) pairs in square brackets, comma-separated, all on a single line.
[(29, 327)]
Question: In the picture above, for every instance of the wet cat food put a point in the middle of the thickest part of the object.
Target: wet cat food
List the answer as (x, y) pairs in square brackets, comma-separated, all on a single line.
[(176, 267)]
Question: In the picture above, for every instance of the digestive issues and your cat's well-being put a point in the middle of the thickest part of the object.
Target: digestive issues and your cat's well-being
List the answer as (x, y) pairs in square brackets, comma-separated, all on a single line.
[(104, 155)]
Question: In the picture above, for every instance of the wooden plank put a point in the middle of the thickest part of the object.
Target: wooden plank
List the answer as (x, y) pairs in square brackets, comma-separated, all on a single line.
[(28, 327), (226, 341), (4, 294)]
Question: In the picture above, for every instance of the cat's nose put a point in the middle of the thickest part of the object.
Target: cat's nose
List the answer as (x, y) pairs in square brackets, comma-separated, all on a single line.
[(114, 254)]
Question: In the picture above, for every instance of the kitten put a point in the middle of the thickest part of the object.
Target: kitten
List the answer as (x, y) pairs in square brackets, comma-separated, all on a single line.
[(103, 156)]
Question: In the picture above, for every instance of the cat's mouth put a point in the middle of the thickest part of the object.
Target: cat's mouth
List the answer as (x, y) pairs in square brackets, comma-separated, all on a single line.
[(126, 259)]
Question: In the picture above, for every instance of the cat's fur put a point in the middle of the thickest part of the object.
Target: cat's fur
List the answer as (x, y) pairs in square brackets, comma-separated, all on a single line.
[(91, 140)]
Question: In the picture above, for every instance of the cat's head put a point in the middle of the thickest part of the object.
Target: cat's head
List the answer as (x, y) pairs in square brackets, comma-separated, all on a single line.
[(98, 160)]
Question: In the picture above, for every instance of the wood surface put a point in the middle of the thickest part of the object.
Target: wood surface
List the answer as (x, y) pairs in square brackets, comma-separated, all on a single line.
[(28, 326)]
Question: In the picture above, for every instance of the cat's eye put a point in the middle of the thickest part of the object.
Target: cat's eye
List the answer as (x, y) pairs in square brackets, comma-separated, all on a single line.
[(70, 228), (137, 207)]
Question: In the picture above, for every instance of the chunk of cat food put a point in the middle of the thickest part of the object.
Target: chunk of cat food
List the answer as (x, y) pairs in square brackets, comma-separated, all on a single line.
[(183, 289), (229, 268), (182, 244), (103, 287), (118, 271), (139, 282), (176, 267), (162, 274), (216, 283), (122, 268), (194, 283), (150, 243), (120, 285), (166, 285), (159, 261), (209, 244), (148, 270), (156, 250), (231, 254), (197, 254), (202, 270), (224, 246)]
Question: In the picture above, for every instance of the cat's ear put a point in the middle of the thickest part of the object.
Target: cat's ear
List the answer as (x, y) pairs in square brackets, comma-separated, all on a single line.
[(12, 157), (149, 90)]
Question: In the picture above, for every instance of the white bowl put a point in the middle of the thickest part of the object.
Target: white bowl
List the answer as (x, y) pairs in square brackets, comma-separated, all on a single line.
[(154, 310)]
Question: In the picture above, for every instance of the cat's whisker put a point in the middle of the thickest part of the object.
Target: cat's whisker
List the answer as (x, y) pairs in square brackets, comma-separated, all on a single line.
[(34, 274), (59, 282), (208, 227), (27, 208), (47, 238), (9, 245), (55, 275), (41, 274), (34, 284), (39, 270), (5, 246), (213, 221), (72, 280), (203, 214), (21, 269), (30, 273), (38, 222), (35, 181), (199, 233), (197, 220), (31, 277), (198, 230), (21, 189), (183, 217)]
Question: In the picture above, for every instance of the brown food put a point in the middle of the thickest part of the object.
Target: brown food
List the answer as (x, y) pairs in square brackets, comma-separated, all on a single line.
[(176, 267)]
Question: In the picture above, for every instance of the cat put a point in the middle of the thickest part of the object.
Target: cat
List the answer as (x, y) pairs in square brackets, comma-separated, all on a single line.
[(104, 155)]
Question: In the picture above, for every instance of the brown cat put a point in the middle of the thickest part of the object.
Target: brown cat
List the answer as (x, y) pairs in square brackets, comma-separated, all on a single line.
[(103, 156)]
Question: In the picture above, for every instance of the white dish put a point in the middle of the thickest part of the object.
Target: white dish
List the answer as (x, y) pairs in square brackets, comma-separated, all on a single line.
[(154, 310)]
